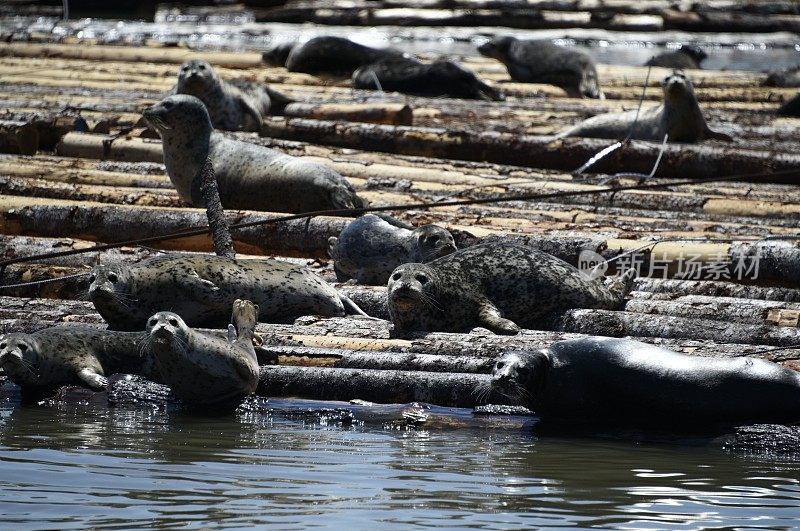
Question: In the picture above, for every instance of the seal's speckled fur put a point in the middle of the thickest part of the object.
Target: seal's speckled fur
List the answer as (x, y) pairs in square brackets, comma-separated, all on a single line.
[(249, 176), (202, 288), (72, 355), (498, 286), (679, 115), (537, 61), (369, 248), (201, 368)]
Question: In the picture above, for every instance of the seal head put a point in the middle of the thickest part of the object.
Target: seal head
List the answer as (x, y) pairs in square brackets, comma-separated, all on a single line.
[(521, 376), (197, 77), (19, 358), (110, 290), (434, 242)]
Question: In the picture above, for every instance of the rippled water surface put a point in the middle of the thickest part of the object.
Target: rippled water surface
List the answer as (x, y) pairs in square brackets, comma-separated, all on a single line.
[(80, 466)]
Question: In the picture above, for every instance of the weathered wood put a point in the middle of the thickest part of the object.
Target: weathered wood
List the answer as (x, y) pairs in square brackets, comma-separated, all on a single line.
[(18, 137), (728, 309), (784, 317), (717, 289), (110, 147), (388, 114)]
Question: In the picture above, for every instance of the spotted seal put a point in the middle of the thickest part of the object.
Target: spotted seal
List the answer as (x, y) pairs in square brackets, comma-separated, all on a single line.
[(541, 61), (232, 105), (249, 176), (687, 56), (370, 247), (202, 288), (203, 368), (327, 55), (679, 116), (72, 354), (611, 381), (410, 76), (499, 286)]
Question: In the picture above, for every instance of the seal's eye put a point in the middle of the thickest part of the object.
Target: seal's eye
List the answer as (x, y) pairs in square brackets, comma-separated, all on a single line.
[(201, 67), (167, 105), (185, 69), (3, 345), (92, 278), (152, 322), (499, 365), (23, 347), (422, 279), (173, 321), (112, 277), (396, 276)]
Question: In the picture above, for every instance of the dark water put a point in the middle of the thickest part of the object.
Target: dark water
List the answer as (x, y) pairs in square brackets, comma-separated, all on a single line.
[(81, 466)]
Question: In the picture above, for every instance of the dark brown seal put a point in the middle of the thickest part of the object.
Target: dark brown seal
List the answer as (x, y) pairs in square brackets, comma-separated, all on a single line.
[(75, 354), (203, 368), (369, 248), (687, 56), (541, 61), (327, 55), (679, 116), (410, 76), (249, 176), (202, 289), (498, 286), (610, 381)]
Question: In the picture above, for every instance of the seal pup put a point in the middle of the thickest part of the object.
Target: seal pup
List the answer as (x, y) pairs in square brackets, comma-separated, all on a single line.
[(75, 354), (687, 56), (409, 76), (203, 368), (790, 77), (621, 382), (202, 288), (499, 286), (249, 176), (327, 55), (679, 116), (234, 106), (541, 61), (370, 247)]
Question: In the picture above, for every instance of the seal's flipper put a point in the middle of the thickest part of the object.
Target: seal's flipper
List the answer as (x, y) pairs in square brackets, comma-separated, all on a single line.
[(489, 316), (244, 317), (277, 101), (332, 241), (232, 335), (96, 381), (351, 308), (198, 284), (622, 285), (253, 118)]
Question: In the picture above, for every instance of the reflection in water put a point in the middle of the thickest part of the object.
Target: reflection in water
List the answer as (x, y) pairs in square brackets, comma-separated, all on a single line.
[(65, 465)]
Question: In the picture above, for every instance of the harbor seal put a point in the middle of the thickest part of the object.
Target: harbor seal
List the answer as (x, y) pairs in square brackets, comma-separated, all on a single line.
[(679, 116), (73, 354), (203, 369), (276, 56), (687, 56), (790, 77), (495, 285), (202, 288), (369, 248), (232, 105), (409, 76), (611, 381), (541, 61), (249, 176), (791, 107), (327, 55)]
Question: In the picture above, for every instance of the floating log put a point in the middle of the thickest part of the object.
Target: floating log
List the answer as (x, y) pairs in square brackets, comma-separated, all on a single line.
[(18, 137), (728, 309), (388, 114)]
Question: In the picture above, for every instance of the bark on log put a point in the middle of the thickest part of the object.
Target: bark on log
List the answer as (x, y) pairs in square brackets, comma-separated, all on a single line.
[(727, 309), (388, 114), (717, 289), (110, 147), (18, 137)]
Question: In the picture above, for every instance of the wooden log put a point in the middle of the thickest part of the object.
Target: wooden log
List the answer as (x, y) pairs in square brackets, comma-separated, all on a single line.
[(388, 114), (686, 161), (729, 309), (44, 281), (18, 137), (729, 22), (717, 289), (110, 147)]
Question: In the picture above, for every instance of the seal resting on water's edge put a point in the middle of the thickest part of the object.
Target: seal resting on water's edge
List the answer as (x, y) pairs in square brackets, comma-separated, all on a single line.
[(540, 61), (687, 56), (201, 368), (326, 55), (237, 105), (370, 247), (249, 176), (202, 289), (498, 286), (72, 354), (625, 383), (679, 116), (409, 76)]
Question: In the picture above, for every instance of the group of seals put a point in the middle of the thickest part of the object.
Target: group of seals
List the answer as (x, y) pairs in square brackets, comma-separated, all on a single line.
[(249, 176), (370, 247), (202, 288), (603, 381), (499, 286), (686, 57), (538, 61), (679, 116), (232, 105)]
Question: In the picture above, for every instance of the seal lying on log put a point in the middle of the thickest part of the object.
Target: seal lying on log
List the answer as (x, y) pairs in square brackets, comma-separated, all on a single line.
[(789, 77), (625, 383), (74, 354), (237, 105), (249, 176), (369, 248), (498, 286), (202, 289), (679, 117), (541, 61), (687, 56), (326, 55), (202, 368), (409, 76)]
